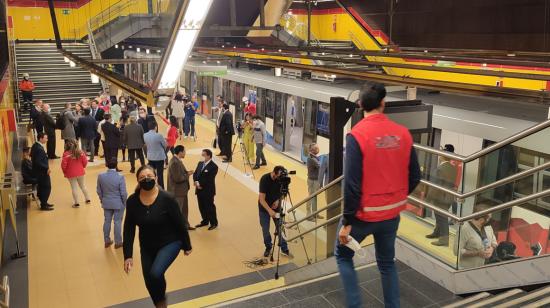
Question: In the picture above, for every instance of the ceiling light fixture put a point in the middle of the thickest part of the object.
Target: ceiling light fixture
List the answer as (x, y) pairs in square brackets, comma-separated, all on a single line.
[(116, 46), (138, 49), (95, 78), (147, 51)]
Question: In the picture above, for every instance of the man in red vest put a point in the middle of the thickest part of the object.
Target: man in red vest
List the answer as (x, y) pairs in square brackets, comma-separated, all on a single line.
[(381, 170), (26, 86)]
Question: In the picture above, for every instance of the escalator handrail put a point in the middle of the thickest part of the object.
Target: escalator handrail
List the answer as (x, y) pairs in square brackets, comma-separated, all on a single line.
[(315, 194), (328, 207), (333, 219)]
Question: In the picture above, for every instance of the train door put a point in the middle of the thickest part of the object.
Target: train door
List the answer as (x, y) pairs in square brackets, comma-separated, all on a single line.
[(294, 127), (310, 125), (279, 121)]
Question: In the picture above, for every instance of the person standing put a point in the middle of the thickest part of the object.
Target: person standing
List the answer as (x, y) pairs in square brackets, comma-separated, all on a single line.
[(445, 176), (178, 111), (189, 120), (313, 179), (248, 138), (78, 113), (227, 130), (111, 189), (171, 134), (69, 120), (219, 136), (156, 151), (122, 127), (41, 170), (87, 126), (49, 129), (260, 136), (112, 139), (26, 86), (29, 178), (36, 117), (162, 233), (133, 138), (379, 176), (269, 207), (178, 182), (74, 164), (116, 112), (249, 107), (97, 114), (205, 189)]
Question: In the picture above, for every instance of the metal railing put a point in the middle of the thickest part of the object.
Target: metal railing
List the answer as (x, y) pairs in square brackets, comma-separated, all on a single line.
[(95, 52)]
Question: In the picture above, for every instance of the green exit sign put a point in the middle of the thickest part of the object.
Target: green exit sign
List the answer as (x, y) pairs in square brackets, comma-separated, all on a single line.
[(66, 11)]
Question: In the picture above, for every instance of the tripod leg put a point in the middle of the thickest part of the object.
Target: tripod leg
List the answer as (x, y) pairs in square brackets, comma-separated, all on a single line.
[(302, 239)]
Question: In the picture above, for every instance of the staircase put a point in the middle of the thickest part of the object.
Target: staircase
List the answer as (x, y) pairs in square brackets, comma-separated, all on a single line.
[(511, 298), (56, 82)]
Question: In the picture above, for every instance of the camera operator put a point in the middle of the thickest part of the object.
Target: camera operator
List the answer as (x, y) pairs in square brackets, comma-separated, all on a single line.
[(269, 207)]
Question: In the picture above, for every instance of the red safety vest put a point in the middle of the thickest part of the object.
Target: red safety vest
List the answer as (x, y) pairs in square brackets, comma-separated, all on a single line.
[(386, 148)]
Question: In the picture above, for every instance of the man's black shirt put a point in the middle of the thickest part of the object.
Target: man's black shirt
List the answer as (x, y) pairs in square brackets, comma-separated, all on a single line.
[(271, 188)]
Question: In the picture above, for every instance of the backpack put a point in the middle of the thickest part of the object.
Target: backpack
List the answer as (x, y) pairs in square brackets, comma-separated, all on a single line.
[(60, 121)]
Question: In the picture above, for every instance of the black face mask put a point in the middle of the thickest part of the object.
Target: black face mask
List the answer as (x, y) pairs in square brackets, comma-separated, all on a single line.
[(147, 184)]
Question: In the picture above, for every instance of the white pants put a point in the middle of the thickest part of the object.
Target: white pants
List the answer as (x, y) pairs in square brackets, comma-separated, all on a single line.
[(75, 183)]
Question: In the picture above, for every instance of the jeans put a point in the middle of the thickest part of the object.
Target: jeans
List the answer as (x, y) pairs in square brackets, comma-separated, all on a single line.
[(158, 165), (260, 157), (132, 156), (154, 264), (75, 183), (88, 145), (189, 126), (264, 223), (111, 215), (312, 187), (384, 233)]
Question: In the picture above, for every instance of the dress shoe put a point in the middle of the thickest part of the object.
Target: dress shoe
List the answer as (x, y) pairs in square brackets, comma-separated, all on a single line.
[(76, 205), (263, 164), (202, 224), (108, 244), (212, 227), (440, 243), (286, 253), (50, 205), (117, 246), (267, 252), (319, 216), (256, 167), (91, 161), (191, 228), (46, 208), (88, 201), (118, 170), (433, 235), (132, 171)]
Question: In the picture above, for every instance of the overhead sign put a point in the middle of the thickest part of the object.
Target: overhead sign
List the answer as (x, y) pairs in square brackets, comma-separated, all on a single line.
[(213, 73), (66, 11)]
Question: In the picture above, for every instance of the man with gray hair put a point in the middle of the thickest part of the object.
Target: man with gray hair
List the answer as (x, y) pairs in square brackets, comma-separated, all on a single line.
[(69, 119), (259, 135), (49, 129), (313, 179)]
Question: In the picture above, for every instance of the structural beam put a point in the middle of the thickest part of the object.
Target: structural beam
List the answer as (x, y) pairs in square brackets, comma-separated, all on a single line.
[(54, 24)]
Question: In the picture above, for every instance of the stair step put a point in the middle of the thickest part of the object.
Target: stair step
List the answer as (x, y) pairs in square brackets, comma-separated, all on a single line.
[(82, 89), (491, 301), (528, 298), (468, 300)]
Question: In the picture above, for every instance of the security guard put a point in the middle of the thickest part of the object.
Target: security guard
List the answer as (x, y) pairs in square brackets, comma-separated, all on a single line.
[(381, 170)]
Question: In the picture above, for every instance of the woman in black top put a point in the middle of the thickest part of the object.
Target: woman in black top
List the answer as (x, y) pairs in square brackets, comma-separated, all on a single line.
[(162, 233)]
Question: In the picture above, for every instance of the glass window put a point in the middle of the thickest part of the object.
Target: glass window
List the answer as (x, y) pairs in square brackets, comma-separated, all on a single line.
[(323, 116), (260, 103), (269, 103), (279, 119), (310, 121)]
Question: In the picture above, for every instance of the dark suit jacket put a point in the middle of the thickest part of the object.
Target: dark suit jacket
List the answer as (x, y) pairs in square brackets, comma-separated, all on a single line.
[(133, 136), (226, 124), (206, 178), (39, 160), (178, 179), (49, 123), (87, 126), (99, 114), (112, 135), (445, 176), (36, 119)]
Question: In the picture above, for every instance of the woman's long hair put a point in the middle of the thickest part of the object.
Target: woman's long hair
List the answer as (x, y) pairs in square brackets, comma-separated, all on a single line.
[(174, 121), (71, 145), (139, 171)]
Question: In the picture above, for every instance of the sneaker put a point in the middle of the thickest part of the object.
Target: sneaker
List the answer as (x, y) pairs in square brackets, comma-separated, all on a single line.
[(76, 205), (267, 252)]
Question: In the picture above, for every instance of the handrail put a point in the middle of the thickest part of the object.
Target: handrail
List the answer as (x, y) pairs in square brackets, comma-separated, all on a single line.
[(324, 188), (328, 207), (95, 53), (335, 218)]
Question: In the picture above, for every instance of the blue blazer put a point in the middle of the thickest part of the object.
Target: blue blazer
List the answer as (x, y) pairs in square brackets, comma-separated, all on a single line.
[(111, 189), (87, 126)]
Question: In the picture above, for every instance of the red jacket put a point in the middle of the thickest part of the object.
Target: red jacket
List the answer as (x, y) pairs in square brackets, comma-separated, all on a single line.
[(73, 167), (386, 148), (172, 135), (26, 85), (251, 108)]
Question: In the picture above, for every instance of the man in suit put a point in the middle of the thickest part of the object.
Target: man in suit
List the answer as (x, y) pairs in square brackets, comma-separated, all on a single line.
[(227, 130), (35, 117), (178, 182), (205, 189), (41, 170), (445, 176), (111, 189), (133, 139), (112, 140), (49, 129), (87, 126), (97, 114)]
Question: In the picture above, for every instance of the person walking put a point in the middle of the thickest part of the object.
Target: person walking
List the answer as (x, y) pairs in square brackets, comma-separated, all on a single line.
[(204, 178), (227, 130), (379, 176), (98, 114), (116, 112), (178, 182), (189, 120), (87, 126), (171, 134), (260, 136), (41, 169), (313, 179), (49, 129), (178, 111), (112, 139), (248, 138), (156, 151), (74, 164), (27, 87), (36, 118), (162, 233), (111, 189), (69, 120), (133, 139)]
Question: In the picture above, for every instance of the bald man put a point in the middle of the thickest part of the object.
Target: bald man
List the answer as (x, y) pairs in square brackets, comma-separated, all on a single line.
[(49, 129)]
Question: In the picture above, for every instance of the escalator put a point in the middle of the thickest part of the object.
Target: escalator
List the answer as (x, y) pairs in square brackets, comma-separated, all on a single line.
[(433, 276)]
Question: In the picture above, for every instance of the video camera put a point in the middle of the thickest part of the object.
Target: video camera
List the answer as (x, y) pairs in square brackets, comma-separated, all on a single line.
[(284, 180)]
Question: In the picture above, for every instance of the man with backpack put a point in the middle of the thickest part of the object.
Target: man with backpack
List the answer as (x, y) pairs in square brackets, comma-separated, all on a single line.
[(49, 128)]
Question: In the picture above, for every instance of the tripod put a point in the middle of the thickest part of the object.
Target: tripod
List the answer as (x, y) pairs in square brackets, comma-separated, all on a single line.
[(244, 155)]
